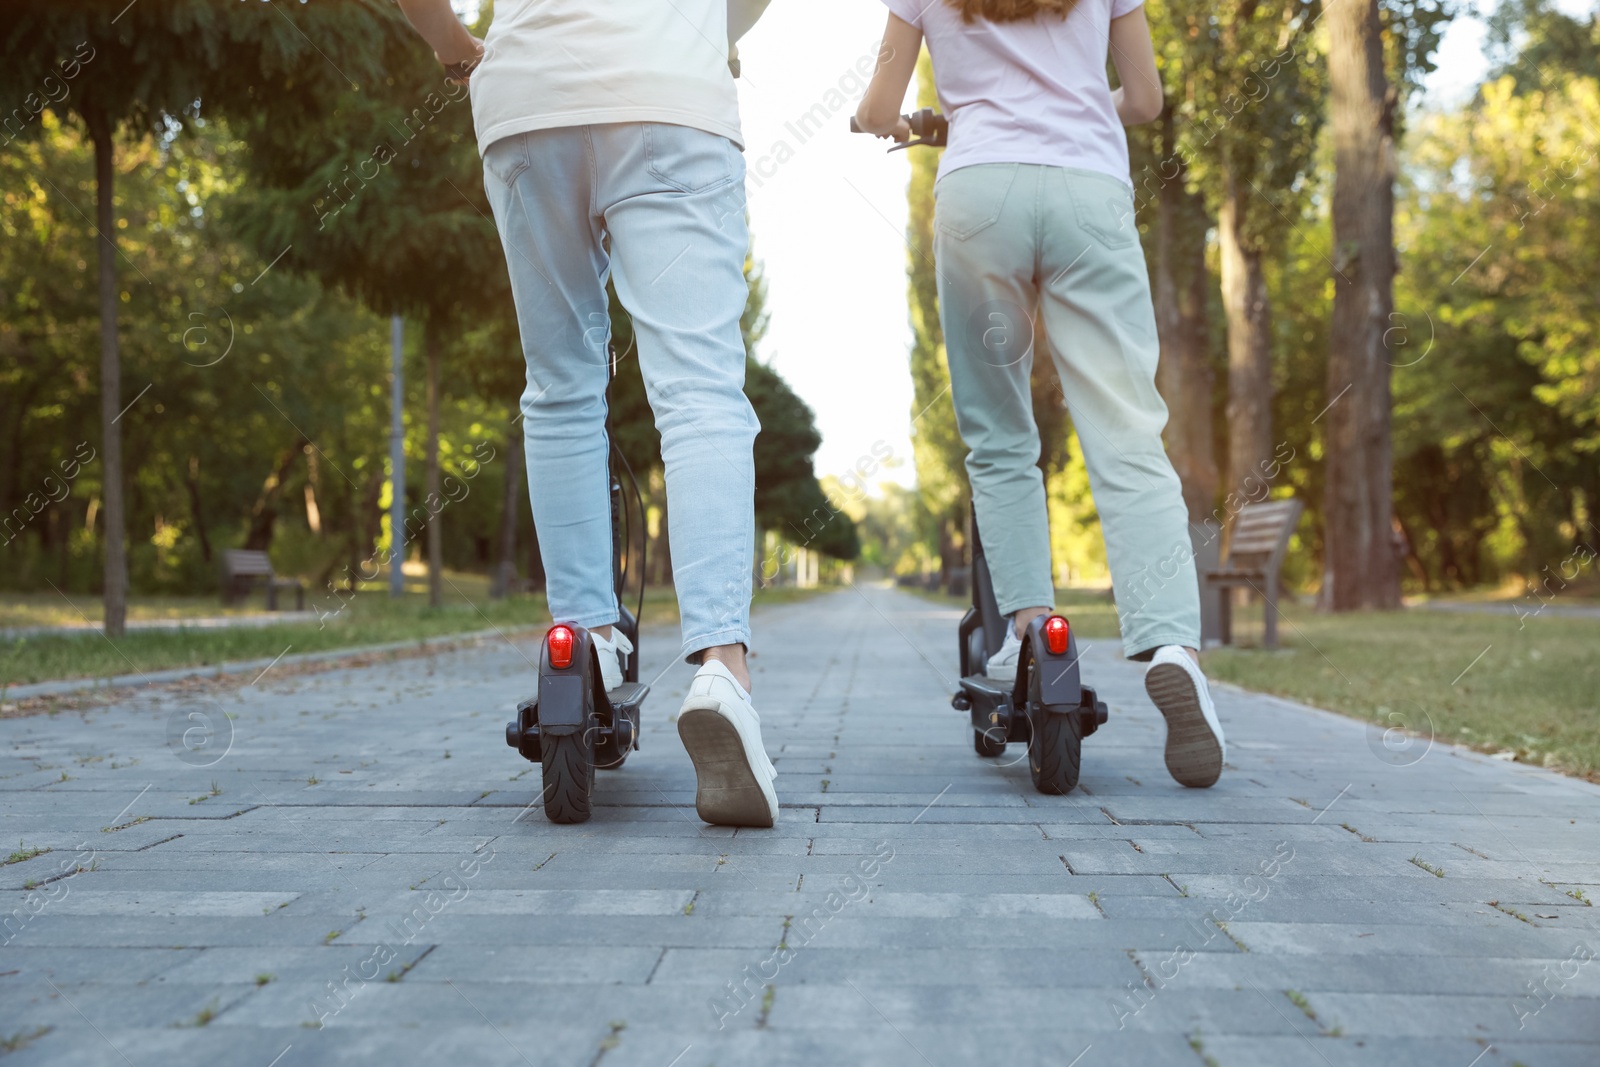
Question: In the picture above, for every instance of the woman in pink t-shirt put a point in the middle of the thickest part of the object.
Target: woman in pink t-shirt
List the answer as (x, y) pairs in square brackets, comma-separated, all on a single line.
[(1034, 225)]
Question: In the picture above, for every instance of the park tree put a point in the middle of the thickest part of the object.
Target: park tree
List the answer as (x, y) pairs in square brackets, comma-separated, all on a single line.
[(1373, 56), (202, 324), (1245, 100), (383, 197), (1500, 438), (150, 66), (1534, 40), (1175, 216)]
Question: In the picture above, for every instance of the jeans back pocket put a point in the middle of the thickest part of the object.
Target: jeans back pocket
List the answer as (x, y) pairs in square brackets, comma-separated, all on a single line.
[(1104, 207), (969, 200), (687, 159)]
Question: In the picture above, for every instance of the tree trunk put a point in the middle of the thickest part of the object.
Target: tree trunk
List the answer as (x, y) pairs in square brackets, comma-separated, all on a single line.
[(952, 550), (63, 548), (661, 551), (196, 511), (434, 501), (1360, 564), (1200, 378), (313, 488), (22, 403), (1419, 568), (1244, 300), (505, 571), (264, 513), (116, 562), (1183, 376)]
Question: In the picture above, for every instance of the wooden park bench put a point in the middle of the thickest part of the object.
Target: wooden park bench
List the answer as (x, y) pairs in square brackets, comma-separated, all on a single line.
[(1256, 549), (242, 569)]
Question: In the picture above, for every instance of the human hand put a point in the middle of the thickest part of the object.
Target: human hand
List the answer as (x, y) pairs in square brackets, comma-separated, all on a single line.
[(901, 132), (459, 65)]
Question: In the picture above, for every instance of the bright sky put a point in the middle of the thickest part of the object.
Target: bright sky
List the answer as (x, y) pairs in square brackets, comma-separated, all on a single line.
[(829, 224)]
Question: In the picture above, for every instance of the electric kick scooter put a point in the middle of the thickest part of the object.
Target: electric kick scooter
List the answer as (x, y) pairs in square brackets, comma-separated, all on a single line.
[(1047, 707), (571, 724)]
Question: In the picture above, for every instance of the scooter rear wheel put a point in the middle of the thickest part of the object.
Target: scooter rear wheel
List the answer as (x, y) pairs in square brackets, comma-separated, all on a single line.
[(1054, 753), (567, 764)]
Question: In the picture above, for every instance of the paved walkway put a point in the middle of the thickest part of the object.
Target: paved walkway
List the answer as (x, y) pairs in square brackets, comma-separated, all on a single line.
[(357, 878)]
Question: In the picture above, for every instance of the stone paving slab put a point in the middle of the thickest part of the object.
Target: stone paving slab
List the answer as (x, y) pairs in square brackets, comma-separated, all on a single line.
[(354, 870)]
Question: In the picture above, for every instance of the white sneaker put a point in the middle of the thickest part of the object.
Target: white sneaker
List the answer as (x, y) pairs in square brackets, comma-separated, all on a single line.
[(1195, 745), (1003, 664), (610, 654), (722, 732)]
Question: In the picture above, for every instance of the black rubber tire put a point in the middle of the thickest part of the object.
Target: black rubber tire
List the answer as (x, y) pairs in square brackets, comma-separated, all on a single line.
[(568, 770), (1054, 753), (984, 746)]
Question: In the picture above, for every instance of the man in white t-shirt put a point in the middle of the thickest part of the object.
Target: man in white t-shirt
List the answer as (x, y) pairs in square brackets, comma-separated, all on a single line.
[(611, 149)]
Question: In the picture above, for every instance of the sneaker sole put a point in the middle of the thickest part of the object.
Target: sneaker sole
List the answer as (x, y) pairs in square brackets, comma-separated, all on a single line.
[(728, 793), (1194, 754)]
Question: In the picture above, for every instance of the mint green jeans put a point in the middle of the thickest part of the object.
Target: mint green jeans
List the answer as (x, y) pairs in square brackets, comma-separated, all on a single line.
[(1025, 250)]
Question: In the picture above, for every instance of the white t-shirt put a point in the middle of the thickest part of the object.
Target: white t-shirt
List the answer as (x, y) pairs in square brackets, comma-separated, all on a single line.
[(552, 63), (1025, 92)]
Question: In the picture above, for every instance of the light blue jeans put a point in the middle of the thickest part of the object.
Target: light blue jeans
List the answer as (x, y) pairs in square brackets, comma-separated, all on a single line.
[(1017, 244), (660, 210)]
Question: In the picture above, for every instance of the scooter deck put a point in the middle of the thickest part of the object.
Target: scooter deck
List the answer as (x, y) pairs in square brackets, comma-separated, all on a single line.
[(982, 686), (628, 696)]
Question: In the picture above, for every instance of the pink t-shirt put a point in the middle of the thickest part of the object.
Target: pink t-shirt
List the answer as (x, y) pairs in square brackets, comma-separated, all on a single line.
[(1025, 92)]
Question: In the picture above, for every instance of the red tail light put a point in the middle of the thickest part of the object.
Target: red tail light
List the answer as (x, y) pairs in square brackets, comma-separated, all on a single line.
[(1056, 633), (560, 641)]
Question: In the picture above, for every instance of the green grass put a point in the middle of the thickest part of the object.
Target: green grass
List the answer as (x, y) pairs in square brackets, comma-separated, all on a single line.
[(1533, 692), (205, 1015), (370, 618), (22, 1039), (22, 854)]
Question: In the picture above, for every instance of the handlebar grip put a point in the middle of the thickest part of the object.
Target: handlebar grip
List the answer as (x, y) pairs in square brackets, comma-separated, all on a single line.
[(855, 127)]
